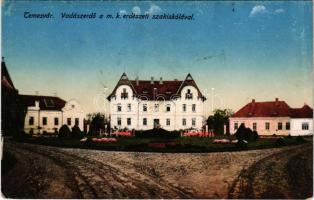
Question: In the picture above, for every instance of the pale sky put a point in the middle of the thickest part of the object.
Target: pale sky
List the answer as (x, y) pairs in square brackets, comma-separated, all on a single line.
[(244, 50)]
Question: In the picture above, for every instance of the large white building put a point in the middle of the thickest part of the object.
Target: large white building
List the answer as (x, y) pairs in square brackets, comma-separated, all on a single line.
[(46, 114), (274, 117), (146, 104)]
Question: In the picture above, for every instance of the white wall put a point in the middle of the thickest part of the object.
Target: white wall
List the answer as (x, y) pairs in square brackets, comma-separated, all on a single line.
[(73, 110), (67, 112), (176, 114), (261, 128), (296, 126)]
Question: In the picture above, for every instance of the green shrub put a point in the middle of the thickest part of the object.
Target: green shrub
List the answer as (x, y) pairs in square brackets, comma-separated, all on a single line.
[(76, 133), (64, 132), (247, 134), (300, 139), (280, 142), (241, 143)]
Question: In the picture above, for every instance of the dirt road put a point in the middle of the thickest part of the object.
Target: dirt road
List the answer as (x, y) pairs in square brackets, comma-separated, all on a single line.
[(50, 172)]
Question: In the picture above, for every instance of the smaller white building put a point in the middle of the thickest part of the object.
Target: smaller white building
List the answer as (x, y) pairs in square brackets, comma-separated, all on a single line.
[(46, 114), (301, 121)]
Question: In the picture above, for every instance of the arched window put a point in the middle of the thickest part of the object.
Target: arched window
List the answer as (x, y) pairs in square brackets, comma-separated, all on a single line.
[(124, 94), (188, 94)]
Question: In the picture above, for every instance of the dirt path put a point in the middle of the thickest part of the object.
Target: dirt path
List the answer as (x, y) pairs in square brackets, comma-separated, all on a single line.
[(275, 176), (50, 172)]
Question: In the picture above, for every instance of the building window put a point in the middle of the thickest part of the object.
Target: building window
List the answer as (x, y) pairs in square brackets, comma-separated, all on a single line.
[(236, 126), (184, 107), (144, 121), (119, 108), (129, 107), (184, 122), (56, 121), (188, 95), (267, 125), (168, 122), (287, 125), (144, 107), (124, 94), (31, 121), (168, 109), (156, 107), (44, 120), (69, 121), (119, 121), (305, 126), (77, 121), (193, 108), (193, 121), (254, 126), (279, 126), (128, 121)]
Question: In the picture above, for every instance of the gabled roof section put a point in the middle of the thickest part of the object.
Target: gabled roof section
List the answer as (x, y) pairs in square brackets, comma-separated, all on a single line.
[(45, 102), (6, 81), (189, 81), (304, 112), (273, 109), (124, 80)]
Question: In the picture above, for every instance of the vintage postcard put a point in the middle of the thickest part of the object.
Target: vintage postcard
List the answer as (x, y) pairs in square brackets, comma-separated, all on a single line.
[(157, 99)]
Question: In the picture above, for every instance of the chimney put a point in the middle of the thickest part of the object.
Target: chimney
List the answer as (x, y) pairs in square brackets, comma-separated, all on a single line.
[(277, 102), (137, 81), (175, 79), (160, 82), (253, 101), (37, 103), (152, 80)]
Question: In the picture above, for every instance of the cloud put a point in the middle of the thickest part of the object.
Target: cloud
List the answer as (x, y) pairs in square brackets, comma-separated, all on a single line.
[(136, 10), (123, 12), (153, 10), (258, 10), (278, 11)]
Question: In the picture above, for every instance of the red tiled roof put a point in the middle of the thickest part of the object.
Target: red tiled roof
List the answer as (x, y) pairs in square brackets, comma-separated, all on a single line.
[(45, 102), (304, 112), (165, 90), (273, 109)]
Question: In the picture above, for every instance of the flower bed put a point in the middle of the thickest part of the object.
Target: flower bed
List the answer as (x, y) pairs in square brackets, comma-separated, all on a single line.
[(124, 134), (105, 140), (197, 134)]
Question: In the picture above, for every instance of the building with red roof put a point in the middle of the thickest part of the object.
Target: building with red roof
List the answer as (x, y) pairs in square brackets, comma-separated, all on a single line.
[(274, 117), (145, 104)]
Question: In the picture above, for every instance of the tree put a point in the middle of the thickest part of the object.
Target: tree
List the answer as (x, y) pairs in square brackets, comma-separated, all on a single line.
[(97, 123), (217, 121)]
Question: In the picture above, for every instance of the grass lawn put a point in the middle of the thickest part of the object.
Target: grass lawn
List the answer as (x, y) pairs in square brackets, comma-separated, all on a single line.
[(183, 144)]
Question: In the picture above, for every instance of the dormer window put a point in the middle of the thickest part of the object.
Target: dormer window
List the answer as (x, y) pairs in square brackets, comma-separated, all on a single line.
[(188, 95), (124, 94)]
